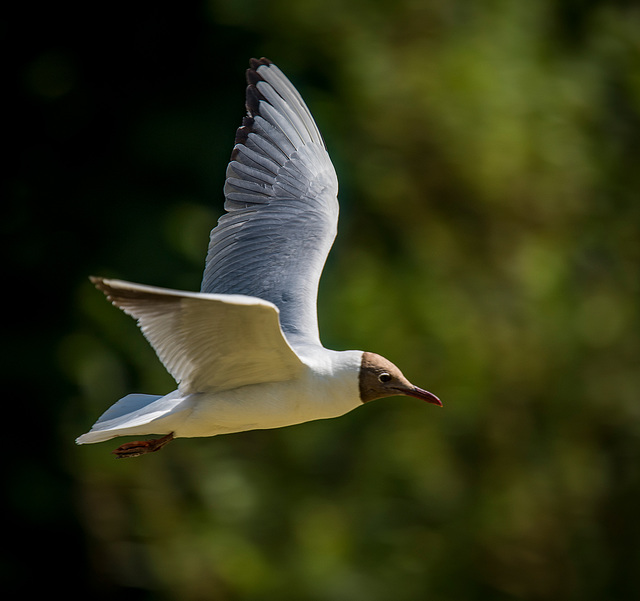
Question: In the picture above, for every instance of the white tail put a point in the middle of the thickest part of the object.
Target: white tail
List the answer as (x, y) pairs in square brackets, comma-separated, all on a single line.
[(135, 414)]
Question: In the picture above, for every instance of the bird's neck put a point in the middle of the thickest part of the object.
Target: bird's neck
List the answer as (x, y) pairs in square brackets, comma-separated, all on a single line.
[(334, 378)]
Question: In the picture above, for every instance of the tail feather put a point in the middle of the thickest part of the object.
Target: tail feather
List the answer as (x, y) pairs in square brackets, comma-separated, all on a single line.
[(134, 414)]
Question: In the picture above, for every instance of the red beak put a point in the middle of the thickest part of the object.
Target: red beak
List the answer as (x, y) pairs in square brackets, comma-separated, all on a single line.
[(423, 395)]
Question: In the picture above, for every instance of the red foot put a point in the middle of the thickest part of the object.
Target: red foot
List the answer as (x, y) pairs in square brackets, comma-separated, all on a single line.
[(140, 447)]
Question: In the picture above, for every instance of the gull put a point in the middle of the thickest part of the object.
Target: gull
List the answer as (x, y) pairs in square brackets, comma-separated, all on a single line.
[(245, 351)]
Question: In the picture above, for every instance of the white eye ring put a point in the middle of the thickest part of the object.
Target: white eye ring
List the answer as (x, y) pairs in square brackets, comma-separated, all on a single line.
[(384, 377)]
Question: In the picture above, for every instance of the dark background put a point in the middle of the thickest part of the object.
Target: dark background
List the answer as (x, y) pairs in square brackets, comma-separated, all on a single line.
[(488, 160)]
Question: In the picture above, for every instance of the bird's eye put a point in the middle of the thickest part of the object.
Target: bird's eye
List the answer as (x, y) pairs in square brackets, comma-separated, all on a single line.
[(384, 377)]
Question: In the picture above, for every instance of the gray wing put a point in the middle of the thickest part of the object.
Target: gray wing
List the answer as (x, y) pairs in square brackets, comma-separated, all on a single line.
[(282, 207)]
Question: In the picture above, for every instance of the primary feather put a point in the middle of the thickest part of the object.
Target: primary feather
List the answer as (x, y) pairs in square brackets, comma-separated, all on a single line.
[(282, 207)]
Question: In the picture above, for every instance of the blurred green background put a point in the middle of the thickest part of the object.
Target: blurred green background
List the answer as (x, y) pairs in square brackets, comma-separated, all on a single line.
[(489, 162)]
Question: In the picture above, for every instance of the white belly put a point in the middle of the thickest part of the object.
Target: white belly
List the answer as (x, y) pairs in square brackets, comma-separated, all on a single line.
[(328, 388), (269, 405)]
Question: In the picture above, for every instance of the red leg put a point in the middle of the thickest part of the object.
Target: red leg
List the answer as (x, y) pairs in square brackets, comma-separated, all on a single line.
[(140, 447)]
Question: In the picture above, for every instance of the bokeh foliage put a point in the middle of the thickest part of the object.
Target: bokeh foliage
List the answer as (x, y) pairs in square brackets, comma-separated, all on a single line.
[(488, 157)]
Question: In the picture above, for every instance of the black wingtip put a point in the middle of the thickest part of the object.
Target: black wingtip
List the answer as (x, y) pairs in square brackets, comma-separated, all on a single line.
[(252, 102), (256, 62), (242, 133), (253, 99), (252, 72)]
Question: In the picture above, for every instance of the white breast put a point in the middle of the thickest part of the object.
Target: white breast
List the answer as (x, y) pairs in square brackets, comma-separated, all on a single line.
[(328, 388)]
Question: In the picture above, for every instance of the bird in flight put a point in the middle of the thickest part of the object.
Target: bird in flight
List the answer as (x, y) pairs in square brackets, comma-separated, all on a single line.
[(245, 351)]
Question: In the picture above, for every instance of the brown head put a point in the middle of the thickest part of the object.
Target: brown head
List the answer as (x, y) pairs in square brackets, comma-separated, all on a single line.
[(380, 378)]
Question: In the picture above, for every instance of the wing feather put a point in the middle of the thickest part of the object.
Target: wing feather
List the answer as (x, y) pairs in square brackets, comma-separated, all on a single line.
[(282, 208), (208, 342)]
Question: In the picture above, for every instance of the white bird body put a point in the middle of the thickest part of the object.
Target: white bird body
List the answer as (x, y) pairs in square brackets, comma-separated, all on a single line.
[(245, 350), (326, 388)]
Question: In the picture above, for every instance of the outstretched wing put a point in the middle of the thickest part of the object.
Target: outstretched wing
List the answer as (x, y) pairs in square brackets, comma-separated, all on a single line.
[(282, 207), (208, 342)]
